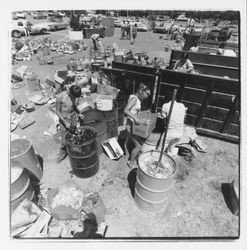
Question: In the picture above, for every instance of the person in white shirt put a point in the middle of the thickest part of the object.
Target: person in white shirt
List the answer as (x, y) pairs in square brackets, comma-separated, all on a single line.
[(176, 125), (131, 110), (184, 64), (194, 48), (225, 52)]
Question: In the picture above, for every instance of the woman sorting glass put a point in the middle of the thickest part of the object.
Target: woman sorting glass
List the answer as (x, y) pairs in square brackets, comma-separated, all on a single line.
[(131, 110)]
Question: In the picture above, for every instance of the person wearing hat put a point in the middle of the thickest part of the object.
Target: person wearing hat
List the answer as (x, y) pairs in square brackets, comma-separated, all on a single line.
[(184, 64)]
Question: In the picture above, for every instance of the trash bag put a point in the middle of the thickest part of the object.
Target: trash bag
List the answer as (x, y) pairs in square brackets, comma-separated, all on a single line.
[(65, 202)]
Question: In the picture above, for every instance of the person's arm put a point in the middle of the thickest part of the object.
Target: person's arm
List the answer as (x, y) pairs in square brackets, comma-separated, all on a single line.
[(128, 107), (176, 65), (190, 66)]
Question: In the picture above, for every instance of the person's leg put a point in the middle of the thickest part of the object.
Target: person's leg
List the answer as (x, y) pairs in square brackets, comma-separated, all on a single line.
[(62, 152), (135, 152)]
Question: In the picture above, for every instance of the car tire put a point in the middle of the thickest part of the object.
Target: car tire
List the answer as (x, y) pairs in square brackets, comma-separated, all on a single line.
[(16, 33), (43, 31)]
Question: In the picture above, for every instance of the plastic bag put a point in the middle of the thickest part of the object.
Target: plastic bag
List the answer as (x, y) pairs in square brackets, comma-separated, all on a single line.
[(65, 202)]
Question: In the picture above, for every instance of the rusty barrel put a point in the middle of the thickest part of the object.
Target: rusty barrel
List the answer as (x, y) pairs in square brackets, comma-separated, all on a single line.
[(152, 189), (84, 156)]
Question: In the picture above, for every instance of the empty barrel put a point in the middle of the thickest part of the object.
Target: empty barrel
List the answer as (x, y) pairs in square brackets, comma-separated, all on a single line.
[(83, 153), (153, 188), (22, 150), (20, 186)]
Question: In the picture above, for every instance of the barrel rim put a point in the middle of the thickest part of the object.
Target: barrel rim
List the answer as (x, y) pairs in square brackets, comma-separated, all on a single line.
[(83, 144), (29, 147), (168, 177)]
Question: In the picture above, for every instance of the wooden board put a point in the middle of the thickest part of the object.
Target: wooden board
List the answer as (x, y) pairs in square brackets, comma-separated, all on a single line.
[(134, 68), (209, 100)]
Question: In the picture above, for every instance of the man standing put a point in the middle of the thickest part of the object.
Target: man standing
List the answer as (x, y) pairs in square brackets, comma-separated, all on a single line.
[(123, 28), (66, 107)]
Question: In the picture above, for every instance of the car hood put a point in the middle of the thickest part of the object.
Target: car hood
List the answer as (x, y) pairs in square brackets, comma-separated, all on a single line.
[(54, 23), (40, 25)]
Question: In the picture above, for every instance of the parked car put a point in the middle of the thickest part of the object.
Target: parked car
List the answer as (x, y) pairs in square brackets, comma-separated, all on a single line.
[(39, 15), (18, 28), (56, 23), (117, 23), (20, 15), (198, 28), (213, 34), (162, 27), (142, 27)]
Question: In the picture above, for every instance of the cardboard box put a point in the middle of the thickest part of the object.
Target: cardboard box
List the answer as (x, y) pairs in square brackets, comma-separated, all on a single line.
[(148, 121)]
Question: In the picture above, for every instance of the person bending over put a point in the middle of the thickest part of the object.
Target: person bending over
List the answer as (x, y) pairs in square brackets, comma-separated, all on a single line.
[(66, 106)]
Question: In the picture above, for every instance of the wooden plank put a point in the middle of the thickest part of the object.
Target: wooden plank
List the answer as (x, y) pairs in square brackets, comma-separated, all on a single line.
[(215, 70), (165, 87), (233, 129), (235, 118), (228, 86), (196, 57), (217, 135), (230, 114), (216, 44), (220, 100), (211, 124), (190, 119), (208, 50), (216, 113), (193, 108), (204, 104), (135, 68), (193, 95)]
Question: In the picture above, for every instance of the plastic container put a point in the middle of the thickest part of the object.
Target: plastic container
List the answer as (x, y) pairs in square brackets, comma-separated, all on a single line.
[(152, 192), (148, 121), (104, 102)]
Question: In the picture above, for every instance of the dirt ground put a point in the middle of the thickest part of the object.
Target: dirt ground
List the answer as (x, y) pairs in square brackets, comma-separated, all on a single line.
[(196, 207)]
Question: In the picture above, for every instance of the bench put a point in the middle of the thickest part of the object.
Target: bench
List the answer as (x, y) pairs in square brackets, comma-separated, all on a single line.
[(216, 65)]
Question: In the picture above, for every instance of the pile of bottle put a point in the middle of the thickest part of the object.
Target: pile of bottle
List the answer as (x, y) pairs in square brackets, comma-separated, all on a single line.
[(79, 136)]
